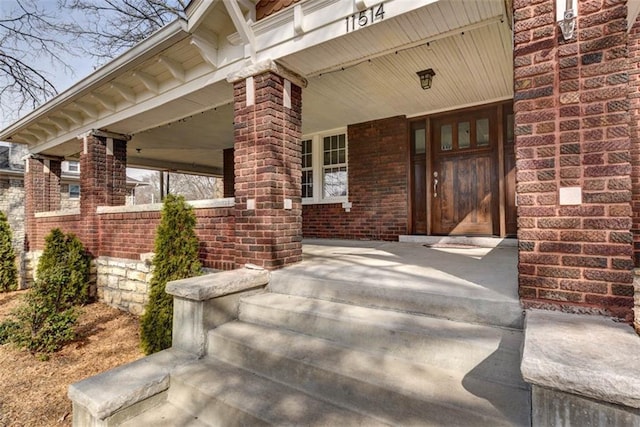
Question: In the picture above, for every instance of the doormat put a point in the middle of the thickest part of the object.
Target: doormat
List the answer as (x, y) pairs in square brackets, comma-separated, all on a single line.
[(450, 246)]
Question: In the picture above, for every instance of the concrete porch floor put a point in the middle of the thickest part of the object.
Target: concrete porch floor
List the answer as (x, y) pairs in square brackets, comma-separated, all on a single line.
[(456, 270)]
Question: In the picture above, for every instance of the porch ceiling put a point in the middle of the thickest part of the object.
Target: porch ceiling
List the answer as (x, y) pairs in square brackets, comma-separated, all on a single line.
[(363, 75)]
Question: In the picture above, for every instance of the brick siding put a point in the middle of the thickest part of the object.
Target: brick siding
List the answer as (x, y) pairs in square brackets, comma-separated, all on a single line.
[(572, 130), (378, 186)]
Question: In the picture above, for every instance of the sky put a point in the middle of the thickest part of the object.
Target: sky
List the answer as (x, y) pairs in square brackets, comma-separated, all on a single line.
[(61, 79)]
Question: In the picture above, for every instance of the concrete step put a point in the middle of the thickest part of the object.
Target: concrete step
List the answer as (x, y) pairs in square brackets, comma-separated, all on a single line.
[(223, 395), (410, 297), (484, 352), (165, 415), (387, 388)]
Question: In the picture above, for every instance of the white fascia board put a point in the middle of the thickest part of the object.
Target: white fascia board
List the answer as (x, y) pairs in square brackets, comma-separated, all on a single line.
[(324, 20), (158, 41)]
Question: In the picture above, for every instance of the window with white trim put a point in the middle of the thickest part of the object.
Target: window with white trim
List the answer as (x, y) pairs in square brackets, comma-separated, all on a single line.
[(73, 166), (324, 168), (307, 168)]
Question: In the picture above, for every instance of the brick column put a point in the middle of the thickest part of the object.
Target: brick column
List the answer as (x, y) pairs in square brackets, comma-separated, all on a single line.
[(34, 184), (52, 172), (42, 192), (268, 177), (634, 133), (573, 159), (103, 164)]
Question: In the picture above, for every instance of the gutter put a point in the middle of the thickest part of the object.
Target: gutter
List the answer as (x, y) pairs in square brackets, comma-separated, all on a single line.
[(148, 48)]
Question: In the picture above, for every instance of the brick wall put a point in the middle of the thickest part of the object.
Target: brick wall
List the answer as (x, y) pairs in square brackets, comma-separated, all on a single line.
[(572, 130), (378, 186), (133, 233)]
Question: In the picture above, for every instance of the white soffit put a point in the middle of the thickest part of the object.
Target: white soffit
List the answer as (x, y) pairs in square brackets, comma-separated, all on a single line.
[(470, 69)]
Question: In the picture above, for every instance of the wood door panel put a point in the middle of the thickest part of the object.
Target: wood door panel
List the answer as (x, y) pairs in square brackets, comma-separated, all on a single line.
[(463, 203)]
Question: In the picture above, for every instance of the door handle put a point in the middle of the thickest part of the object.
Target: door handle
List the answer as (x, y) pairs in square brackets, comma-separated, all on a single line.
[(435, 184)]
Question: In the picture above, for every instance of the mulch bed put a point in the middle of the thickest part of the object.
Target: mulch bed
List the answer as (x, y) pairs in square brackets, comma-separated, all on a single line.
[(34, 392)]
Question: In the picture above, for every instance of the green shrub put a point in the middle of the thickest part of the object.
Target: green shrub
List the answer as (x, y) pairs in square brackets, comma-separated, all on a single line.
[(176, 257), (46, 319), (63, 270), (8, 270)]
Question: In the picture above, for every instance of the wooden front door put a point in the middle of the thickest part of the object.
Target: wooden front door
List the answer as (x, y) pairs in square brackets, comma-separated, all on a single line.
[(463, 176)]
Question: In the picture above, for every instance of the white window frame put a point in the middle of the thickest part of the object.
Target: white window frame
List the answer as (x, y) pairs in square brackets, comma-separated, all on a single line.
[(70, 194), (317, 147), (76, 164)]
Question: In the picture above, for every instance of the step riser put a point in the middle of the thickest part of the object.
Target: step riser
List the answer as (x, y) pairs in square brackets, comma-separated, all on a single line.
[(214, 411), (379, 400), (489, 312), (459, 355)]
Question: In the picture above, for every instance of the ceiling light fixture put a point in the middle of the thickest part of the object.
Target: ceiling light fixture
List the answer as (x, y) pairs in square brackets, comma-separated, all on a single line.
[(426, 77)]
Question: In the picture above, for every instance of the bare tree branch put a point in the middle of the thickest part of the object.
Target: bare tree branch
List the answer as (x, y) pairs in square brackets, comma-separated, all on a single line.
[(28, 35), (112, 26)]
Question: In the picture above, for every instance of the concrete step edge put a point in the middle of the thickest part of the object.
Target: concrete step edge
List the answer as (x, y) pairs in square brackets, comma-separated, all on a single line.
[(394, 333), (327, 369), (200, 381)]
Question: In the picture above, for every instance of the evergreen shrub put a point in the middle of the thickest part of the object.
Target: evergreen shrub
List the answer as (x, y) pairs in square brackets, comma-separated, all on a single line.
[(176, 257), (46, 319), (8, 269)]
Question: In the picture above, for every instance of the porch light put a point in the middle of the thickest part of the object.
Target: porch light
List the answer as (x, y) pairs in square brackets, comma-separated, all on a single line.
[(426, 76)]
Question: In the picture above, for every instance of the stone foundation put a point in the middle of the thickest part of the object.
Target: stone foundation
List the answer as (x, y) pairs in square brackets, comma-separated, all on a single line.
[(124, 283)]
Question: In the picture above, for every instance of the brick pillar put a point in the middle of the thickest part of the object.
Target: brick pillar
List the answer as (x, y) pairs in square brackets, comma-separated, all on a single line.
[(52, 172), (103, 164), (42, 192), (268, 177), (634, 133), (573, 159), (34, 185)]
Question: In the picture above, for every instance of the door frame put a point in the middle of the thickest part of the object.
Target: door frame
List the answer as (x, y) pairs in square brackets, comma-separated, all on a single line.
[(502, 108)]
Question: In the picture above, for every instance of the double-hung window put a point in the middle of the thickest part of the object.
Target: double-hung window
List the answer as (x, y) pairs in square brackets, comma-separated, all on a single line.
[(324, 168)]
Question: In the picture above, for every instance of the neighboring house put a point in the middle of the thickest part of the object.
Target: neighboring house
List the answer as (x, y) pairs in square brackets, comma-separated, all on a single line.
[(12, 192), (368, 120)]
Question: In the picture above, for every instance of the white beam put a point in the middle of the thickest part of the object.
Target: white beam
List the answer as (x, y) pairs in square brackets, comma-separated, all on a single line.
[(89, 109), (204, 8), (148, 81), (175, 68), (49, 129), (106, 101), (74, 116), (38, 134), (208, 51), (251, 7), (239, 21), (61, 123), (28, 136), (298, 19), (124, 91)]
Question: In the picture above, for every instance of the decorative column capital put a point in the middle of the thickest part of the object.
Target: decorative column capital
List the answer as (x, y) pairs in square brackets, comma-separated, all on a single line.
[(264, 67)]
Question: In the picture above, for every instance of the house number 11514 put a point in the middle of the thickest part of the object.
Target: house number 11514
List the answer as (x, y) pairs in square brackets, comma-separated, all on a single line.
[(364, 18)]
